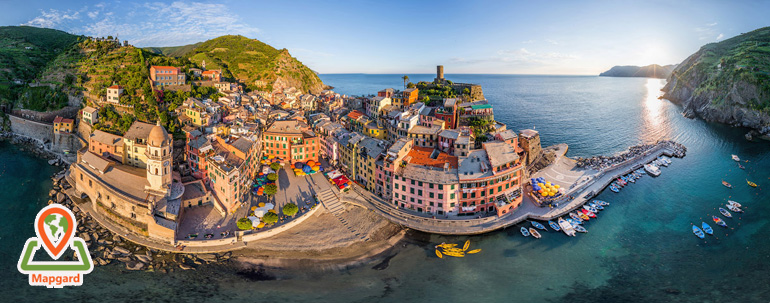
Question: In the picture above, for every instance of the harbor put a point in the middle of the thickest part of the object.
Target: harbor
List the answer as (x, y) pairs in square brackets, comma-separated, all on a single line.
[(582, 185)]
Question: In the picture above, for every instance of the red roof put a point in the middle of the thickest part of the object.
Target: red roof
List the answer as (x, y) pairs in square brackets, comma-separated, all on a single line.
[(60, 120), (116, 87), (355, 114), (158, 67), (211, 72), (421, 156)]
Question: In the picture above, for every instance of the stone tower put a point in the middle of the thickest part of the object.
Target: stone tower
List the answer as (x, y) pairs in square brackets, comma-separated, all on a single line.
[(439, 74), (159, 148), (203, 65)]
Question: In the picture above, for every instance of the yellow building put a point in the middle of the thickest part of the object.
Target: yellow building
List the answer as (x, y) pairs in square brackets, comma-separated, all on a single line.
[(135, 144), (348, 146), (372, 129), (368, 151), (62, 125)]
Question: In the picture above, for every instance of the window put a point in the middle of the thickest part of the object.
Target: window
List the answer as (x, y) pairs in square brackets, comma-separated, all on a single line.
[(465, 195), (440, 187), (411, 190), (440, 196), (430, 185), (412, 182)]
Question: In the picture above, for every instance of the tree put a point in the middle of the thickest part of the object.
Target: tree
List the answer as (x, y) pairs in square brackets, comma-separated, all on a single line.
[(270, 190), (426, 99), (275, 166), (272, 177), (270, 218), (244, 224), (405, 78), (410, 85), (466, 91), (290, 209)]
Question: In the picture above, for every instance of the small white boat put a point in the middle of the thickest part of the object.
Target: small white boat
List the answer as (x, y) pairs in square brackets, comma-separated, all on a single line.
[(734, 203), (735, 157), (566, 227), (734, 208), (652, 169)]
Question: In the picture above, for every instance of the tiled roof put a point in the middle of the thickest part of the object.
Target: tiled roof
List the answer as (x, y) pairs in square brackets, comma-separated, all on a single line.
[(138, 130), (422, 156)]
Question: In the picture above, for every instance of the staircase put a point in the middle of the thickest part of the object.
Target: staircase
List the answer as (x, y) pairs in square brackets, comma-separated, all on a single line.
[(333, 204)]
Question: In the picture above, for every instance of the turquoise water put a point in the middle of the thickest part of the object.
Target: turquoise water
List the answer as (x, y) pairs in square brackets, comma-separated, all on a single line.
[(640, 249)]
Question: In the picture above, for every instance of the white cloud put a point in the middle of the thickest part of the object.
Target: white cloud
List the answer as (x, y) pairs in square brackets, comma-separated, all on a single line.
[(707, 31), (152, 23), (720, 36), (554, 42), (53, 18)]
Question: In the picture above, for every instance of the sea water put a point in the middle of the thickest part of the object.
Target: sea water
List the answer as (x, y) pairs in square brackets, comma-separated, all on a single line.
[(640, 249)]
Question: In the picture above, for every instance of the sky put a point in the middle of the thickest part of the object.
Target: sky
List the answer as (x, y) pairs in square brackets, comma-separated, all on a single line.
[(502, 37)]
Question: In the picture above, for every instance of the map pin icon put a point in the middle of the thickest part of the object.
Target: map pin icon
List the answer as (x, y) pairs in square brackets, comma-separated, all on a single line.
[(65, 221)]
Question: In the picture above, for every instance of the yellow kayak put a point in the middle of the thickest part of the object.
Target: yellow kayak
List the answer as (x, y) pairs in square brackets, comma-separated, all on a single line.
[(467, 244), (455, 255), (438, 253), (475, 251), (447, 245), (752, 184)]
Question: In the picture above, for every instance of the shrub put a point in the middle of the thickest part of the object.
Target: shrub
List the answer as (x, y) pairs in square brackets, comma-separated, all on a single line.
[(270, 190), (270, 218), (244, 224), (272, 177), (290, 209), (275, 166)]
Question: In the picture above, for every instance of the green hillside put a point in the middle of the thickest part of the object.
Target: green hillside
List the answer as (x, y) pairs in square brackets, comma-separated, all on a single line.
[(728, 81), (249, 60), (173, 51)]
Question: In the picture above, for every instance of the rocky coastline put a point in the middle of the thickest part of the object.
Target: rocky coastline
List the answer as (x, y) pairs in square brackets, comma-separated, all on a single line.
[(603, 162)]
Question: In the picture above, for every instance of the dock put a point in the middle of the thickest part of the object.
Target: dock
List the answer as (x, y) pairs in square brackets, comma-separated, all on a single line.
[(583, 185)]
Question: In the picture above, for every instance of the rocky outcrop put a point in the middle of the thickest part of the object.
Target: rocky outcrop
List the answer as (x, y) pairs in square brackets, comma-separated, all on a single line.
[(726, 82), (649, 71)]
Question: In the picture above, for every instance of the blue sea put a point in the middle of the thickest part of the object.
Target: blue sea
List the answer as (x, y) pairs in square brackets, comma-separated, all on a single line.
[(640, 249)]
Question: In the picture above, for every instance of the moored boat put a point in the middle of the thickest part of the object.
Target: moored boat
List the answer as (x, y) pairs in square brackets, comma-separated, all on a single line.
[(581, 229), (741, 166), (554, 226), (698, 232), (614, 189), (602, 203), (534, 233), (589, 208), (524, 232), (652, 169), (734, 203), (725, 212), (584, 217), (538, 225), (752, 184), (597, 206), (735, 157), (719, 221), (575, 217), (728, 185), (589, 213), (734, 208), (566, 227), (707, 228)]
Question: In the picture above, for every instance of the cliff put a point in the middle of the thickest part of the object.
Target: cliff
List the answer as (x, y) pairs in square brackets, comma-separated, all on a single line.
[(649, 71), (726, 82), (255, 64)]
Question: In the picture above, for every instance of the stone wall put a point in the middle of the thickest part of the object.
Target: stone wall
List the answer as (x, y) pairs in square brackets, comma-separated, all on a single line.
[(32, 129)]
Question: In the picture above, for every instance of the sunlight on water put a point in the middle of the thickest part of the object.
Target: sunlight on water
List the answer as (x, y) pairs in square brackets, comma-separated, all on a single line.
[(655, 124)]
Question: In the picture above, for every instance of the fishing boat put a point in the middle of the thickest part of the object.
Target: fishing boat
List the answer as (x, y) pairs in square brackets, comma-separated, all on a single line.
[(641, 171), (735, 157), (554, 226), (734, 208), (572, 221), (597, 206), (652, 169), (575, 217), (741, 166), (584, 217), (614, 189), (621, 182), (566, 227), (752, 184), (534, 233), (538, 225), (728, 185), (602, 203), (665, 161), (589, 213), (719, 221), (524, 232), (734, 203), (589, 208), (698, 232), (581, 229), (725, 213), (707, 228), (631, 179)]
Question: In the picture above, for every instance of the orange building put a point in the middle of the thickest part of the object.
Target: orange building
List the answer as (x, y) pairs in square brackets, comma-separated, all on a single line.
[(292, 141), (106, 145), (167, 75)]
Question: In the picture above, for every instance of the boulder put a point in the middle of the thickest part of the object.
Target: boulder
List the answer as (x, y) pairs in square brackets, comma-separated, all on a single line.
[(121, 250), (60, 198), (144, 258), (132, 265)]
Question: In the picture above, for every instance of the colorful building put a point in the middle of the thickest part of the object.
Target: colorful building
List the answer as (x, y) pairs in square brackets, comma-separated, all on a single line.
[(426, 181), (90, 115), (63, 125), (490, 180), (292, 141), (167, 75), (106, 145)]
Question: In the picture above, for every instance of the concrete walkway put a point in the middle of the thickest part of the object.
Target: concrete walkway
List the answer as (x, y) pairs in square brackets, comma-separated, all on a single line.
[(590, 183)]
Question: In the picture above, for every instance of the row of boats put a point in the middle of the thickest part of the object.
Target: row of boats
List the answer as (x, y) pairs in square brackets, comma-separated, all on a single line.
[(622, 181), (705, 229), (570, 225)]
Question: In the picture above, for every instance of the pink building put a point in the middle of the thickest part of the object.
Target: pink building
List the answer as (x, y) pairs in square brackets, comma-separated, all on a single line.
[(426, 181), (385, 167), (490, 179)]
